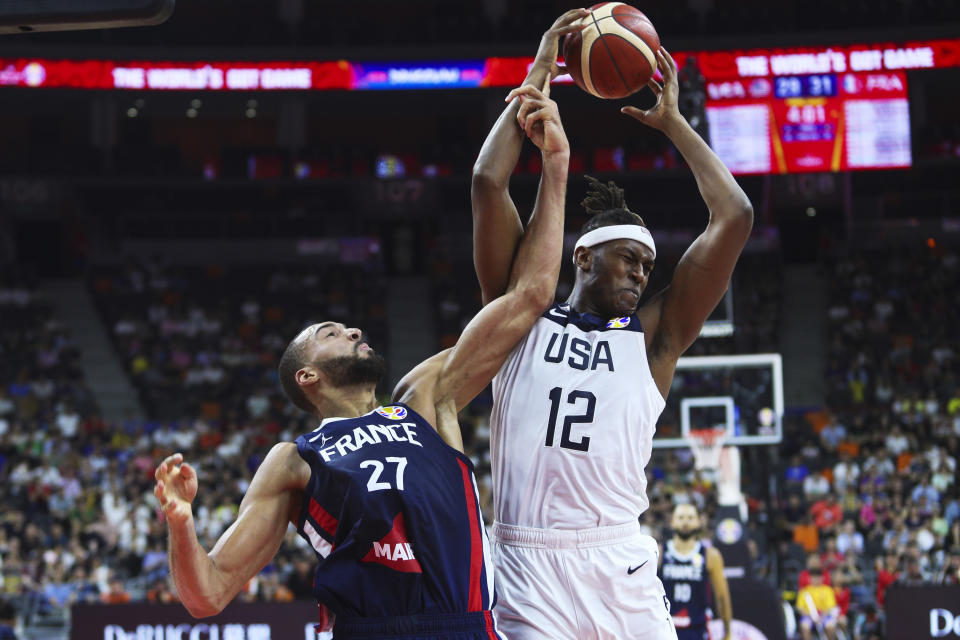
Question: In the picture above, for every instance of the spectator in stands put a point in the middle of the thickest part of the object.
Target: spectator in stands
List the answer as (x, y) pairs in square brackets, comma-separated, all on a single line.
[(832, 434), (897, 443), (869, 625), (849, 540), (300, 581), (815, 485), (827, 513), (116, 594), (925, 492), (913, 573), (845, 473), (830, 558), (818, 608), (807, 535), (953, 538), (7, 406), (162, 593), (795, 474), (950, 574), (8, 620)]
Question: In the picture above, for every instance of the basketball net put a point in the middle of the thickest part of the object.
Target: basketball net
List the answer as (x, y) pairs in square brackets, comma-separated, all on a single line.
[(719, 463)]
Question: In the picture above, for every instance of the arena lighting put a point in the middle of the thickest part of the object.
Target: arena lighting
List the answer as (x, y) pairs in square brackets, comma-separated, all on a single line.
[(17, 16), (722, 68)]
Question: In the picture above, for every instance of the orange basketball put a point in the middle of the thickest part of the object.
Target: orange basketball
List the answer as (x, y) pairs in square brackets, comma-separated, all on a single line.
[(613, 55)]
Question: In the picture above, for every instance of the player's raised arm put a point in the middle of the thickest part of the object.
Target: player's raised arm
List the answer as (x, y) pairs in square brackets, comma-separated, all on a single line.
[(494, 332), (704, 271), (496, 224), (207, 582), (721, 590)]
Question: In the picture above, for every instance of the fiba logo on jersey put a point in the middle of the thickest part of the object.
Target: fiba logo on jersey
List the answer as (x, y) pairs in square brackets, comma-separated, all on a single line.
[(729, 531), (394, 413), (618, 323)]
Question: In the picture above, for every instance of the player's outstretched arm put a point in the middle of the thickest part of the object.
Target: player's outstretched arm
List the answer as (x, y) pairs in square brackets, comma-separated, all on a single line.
[(490, 337), (703, 273), (448, 381), (496, 225), (721, 589), (207, 582)]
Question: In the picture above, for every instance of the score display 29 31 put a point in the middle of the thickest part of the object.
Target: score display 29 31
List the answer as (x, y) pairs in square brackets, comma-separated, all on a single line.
[(807, 123)]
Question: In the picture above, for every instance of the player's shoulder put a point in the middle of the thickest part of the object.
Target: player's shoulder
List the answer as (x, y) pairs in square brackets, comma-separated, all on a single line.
[(284, 467), (563, 315)]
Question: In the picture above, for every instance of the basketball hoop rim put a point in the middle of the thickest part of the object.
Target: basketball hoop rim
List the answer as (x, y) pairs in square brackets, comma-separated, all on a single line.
[(706, 437), (707, 445)]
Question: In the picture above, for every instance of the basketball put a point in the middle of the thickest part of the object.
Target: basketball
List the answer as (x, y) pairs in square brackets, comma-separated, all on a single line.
[(614, 55)]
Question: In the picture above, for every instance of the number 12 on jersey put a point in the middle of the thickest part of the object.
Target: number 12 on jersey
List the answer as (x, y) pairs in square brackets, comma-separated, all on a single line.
[(573, 398)]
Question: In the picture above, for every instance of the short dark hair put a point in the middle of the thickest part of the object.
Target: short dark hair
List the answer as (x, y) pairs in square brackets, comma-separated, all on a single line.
[(606, 206), (292, 361)]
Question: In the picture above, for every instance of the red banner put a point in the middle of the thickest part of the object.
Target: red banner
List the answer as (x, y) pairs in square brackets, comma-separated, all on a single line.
[(745, 66)]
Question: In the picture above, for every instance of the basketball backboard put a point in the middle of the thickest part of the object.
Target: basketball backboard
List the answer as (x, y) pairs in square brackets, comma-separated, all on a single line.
[(741, 393)]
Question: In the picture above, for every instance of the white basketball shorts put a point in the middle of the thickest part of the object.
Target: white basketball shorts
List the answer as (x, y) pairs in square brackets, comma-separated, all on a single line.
[(590, 584)]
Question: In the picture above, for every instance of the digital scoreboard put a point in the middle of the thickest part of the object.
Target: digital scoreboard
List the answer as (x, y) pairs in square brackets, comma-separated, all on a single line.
[(812, 122)]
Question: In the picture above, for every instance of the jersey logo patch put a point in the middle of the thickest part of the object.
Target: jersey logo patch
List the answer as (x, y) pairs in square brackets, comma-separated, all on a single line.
[(618, 323), (394, 550), (394, 413)]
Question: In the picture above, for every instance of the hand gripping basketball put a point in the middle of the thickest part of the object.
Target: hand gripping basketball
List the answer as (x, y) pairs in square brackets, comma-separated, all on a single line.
[(176, 488), (665, 111), (539, 118), (550, 43)]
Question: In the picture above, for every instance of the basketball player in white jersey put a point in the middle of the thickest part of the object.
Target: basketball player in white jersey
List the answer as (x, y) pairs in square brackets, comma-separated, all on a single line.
[(692, 574), (576, 403)]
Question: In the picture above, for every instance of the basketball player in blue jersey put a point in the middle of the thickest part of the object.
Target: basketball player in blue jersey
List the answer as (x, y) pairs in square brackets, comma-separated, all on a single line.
[(576, 403), (383, 494), (692, 576)]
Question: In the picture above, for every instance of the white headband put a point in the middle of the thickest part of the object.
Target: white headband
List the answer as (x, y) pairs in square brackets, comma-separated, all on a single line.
[(618, 232)]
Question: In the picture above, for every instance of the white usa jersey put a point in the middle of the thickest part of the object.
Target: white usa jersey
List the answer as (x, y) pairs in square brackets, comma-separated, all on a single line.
[(574, 412)]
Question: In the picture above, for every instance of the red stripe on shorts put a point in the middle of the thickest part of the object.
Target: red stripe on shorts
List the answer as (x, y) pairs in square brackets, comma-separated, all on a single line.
[(474, 602), (488, 619)]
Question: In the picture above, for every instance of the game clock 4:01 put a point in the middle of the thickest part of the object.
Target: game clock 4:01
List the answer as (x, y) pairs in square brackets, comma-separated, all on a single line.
[(816, 122)]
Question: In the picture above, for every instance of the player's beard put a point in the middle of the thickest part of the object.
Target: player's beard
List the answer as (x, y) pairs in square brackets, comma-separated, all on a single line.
[(687, 535), (346, 371)]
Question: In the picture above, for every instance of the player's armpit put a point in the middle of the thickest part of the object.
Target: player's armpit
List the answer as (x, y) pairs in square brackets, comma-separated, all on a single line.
[(702, 277), (272, 501), (416, 390)]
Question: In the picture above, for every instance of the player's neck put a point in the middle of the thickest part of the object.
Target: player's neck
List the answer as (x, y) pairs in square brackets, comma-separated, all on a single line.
[(581, 301), (347, 402), (682, 546)]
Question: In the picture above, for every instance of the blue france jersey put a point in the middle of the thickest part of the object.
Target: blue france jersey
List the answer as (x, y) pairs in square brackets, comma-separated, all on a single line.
[(393, 515), (687, 584)]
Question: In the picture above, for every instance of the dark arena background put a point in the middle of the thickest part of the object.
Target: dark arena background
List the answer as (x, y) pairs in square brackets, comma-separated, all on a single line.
[(178, 200)]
